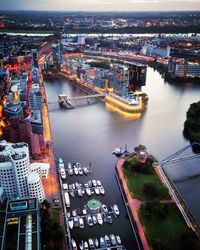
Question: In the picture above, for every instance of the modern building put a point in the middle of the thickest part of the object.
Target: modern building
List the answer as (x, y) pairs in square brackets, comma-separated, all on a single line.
[(35, 97), (184, 70), (152, 50), (41, 168), (57, 56), (20, 225), (34, 58), (36, 121), (137, 76), (35, 187), (16, 176)]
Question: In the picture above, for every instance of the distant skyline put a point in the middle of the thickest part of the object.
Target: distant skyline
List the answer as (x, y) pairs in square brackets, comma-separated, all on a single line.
[(101, 5)]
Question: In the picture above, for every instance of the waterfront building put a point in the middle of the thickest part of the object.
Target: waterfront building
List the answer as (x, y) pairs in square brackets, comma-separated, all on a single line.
[(57, 56), (41, 168), (137, 76), (184, 70), (17, 179), (152, 50), (21, 222), (14, 169), (35, 187), (35, 97), (36, 121)]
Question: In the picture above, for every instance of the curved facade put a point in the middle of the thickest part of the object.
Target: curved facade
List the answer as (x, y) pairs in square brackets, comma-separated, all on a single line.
[(35, 187)]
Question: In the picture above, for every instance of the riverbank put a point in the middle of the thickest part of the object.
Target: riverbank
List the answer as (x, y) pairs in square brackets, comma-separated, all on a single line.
[(154, 211)]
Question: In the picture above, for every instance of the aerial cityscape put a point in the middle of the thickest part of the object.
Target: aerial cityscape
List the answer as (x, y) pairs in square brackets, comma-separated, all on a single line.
[(99, 125)]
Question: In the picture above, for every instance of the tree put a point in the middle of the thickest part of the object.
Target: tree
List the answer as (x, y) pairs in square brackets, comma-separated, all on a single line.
[(188, 240), (150, 190)]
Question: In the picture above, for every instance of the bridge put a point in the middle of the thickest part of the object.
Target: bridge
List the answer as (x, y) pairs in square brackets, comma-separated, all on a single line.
[(177, 197), (65, 99)]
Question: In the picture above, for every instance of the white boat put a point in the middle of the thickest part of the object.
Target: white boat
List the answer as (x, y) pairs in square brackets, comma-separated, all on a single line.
[(91, 243), (107, 240), (67, 200), (68, 215), (72, 193), (99, 219), (74, 246), (118, 239), (71, 223), (73, 186), (81, 245), (65, 186), (79, 192), (89, 220), (94, 183), (81, 223), (102, 242), (98, 183), (77, 185), (63, 173), (96, 242), (113, 240), (69, 165), (74, 213), (104, 208), (75, 170), (97, 191), (70, 171), (86, 245), (116, 209), (88, 191), (80, 171), (84, 211), (76, 221), (85, 170), (102, 190), (94, 218), (78, 164), (83, 191)]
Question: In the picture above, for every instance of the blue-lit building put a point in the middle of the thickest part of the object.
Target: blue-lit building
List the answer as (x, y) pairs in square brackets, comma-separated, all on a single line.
[(20, 228), (57, 56)]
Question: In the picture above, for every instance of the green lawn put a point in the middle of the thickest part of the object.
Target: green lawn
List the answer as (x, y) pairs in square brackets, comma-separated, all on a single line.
[(166, 233), (136, 181)]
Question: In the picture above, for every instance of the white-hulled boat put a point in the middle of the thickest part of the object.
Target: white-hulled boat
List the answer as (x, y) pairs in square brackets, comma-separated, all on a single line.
[(63, 173), (80, 171), (99, 219), (75, 170), (89, 220), (88, 191), (96, 190), (60, 160), (67, 200), (118, 239), (91, 243), (74, 246), (94, 183), (116, 209), (99, 183), (85, 170), (113, 240), (102, 242), (76, 221), (81, 223), (71, 223), (84, 211), (69, 165), (96, 242), (86, 245), (104, 208), (102, 190), (81, 245), (94, 218), (107, 240)]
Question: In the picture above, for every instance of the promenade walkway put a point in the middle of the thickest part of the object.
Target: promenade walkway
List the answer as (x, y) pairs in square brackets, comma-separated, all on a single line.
[(134, 204)]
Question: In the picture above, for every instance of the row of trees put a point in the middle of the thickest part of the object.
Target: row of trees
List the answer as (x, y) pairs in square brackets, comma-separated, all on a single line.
[(51, 232), (191, 129)]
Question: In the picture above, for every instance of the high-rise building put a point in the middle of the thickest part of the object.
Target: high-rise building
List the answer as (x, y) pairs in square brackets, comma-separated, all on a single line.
[(57, 56), (34, 58), (16, 176), (35, 97), (137, 76)]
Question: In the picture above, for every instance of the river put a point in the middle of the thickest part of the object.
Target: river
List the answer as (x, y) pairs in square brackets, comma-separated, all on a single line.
[(89, 133)]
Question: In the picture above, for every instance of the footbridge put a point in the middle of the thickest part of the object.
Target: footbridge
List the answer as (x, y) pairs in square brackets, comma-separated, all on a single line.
[(65, 99), (177, 197)]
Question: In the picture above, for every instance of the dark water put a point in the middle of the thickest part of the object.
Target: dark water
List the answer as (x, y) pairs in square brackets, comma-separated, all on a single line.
[(91, 132)]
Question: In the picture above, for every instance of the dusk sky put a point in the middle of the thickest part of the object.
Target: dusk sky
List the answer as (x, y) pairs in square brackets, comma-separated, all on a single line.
[(100, 5)]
